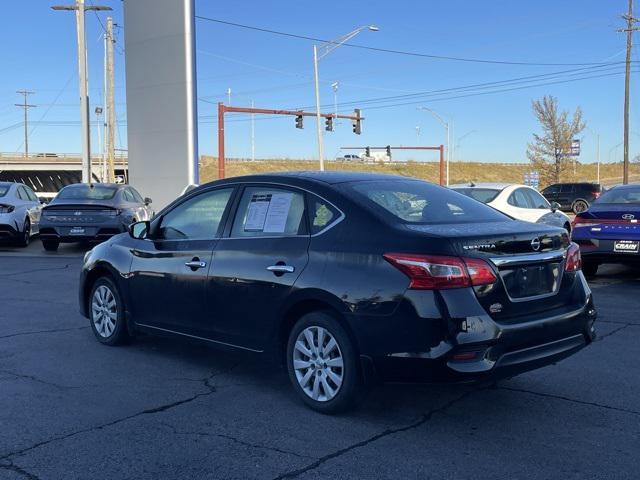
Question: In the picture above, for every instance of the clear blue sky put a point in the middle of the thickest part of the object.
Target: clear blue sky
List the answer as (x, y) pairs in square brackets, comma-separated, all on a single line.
[(38, 53)]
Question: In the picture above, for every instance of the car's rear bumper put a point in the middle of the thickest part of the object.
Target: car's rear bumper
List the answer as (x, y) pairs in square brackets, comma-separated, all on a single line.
[(91, 233), (8, 232), (490, 350), (602, 251)]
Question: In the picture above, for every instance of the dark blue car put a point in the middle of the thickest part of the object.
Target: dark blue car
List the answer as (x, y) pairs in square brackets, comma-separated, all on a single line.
[(609, 232)]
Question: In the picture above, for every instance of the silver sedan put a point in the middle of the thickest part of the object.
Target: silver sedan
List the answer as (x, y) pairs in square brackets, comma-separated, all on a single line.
[(20, 212)]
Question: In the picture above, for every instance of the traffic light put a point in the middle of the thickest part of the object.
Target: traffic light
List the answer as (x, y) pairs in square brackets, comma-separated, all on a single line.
[(389, 151), (299, 121), (329, 124), (367, 152), (356, 122)]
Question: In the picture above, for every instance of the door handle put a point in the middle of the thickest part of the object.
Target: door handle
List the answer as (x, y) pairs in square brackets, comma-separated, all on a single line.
[(281, 269), (196, 264)]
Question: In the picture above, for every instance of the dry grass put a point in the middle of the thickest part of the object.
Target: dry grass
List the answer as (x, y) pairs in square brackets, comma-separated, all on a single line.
[(459, 172)]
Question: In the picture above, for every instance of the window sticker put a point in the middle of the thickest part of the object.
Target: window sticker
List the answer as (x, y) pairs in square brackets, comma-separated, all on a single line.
[(257, 213), (278, 213)]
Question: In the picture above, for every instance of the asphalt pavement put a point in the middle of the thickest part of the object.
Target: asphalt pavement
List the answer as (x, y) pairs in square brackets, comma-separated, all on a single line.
[(159, 408)]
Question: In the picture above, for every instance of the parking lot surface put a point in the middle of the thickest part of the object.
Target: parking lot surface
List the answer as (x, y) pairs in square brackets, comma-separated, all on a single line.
[(71, 408)]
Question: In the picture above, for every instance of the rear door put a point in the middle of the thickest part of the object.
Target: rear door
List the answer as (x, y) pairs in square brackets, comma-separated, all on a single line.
[(551, 193), (169, 271), (35, 209), (256, 263), (566, 195)]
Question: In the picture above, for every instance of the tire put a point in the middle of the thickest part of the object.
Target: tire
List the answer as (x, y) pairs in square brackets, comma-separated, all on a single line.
[(589, 268), (106, 313), (24, 240), (336, 388), (50, 245), (579, 206)]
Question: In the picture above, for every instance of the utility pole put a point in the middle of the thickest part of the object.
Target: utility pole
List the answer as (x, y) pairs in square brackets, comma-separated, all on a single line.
[(26, 107), (80, 8), (631, 21), (111, 107), (253, 135)]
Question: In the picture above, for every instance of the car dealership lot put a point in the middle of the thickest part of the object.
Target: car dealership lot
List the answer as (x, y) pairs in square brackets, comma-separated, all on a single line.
[(158, 408)]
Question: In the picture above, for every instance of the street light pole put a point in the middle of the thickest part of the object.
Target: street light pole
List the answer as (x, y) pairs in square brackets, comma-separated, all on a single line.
[(326, 49), (80, 9), (445, 124)]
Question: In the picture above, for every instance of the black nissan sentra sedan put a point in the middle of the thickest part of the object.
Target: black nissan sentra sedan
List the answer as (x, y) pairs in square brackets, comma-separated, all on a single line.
[(91, 212), (346, 277)]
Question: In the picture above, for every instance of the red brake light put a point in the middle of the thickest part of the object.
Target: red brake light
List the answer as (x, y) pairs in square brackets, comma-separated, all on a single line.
[(428, 272), (573, 262), (584, 222)]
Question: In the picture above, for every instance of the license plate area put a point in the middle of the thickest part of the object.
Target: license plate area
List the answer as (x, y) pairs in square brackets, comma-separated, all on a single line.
[(626, 246), (526, 282), (77, 231)]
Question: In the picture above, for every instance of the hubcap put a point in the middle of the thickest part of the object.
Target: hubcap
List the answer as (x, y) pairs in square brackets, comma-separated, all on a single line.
[(318, 363), (104, 311)]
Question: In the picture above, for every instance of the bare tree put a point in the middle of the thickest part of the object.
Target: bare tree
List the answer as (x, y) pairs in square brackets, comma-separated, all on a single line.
[(548, 153)]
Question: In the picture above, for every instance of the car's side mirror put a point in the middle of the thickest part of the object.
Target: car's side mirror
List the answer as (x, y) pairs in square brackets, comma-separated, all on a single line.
[(555, 206), (147, 201), (139, 230)]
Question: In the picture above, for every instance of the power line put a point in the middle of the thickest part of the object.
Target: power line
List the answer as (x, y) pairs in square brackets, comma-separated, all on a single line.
[(392, 51)]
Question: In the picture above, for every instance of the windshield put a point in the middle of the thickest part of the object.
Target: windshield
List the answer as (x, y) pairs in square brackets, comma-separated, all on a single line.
[(87, 192), (620, 195), (484, 195), (4, 189), (416, 202)]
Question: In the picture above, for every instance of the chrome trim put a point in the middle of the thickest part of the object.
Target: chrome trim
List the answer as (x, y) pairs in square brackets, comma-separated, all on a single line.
[(526, 258), (199, 338), (281, 268)]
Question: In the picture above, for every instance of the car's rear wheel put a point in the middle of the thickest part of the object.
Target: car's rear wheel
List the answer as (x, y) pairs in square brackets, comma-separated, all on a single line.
[(323, 363), (589, 268), (106, 312), (579, 206), (25, 237), (50, 245)]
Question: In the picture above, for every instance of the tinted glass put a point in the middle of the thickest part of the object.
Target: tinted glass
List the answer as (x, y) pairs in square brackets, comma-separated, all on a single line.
[(323, 215), (128, 196), (87, 192), (196, 219), (265, 212), (620, 195), (566, 188), (484, 195), (412, 201), (519, 199), (22, 194), (32, 196), (3, 190), (535, 199), (136, 196), (551, 190)]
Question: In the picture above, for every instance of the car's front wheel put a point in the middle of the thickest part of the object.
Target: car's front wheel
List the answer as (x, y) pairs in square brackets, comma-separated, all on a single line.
[(579, 206), (323, 363), (106, 312)]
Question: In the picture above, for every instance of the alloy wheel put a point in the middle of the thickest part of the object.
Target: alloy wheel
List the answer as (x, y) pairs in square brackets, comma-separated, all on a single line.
[(104, 309), (318, 363)]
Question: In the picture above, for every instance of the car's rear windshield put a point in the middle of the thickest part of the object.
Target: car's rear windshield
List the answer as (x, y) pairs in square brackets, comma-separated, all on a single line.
[(3, 190), (416, 202), (87, 192), (484, 195), (620, 195)]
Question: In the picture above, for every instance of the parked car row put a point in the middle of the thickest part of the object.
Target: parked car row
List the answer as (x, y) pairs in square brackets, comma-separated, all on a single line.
[(344, 277), (79, 212)]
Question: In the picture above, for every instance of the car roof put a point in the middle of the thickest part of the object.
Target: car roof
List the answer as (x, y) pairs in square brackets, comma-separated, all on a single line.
[(622, 186), (329, 178), (115, 185), (486, 185)]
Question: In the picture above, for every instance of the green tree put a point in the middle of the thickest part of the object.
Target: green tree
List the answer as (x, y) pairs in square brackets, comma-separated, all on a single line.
[(548, 153)]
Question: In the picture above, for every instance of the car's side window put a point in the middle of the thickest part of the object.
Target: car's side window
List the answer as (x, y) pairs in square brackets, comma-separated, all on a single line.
[(536, 200), (197, 218), (519, 199), (566, 188), (137, 198), (22, 195), (128, 196), (32, 196), (551, 190), (268, 212), (322, 214)]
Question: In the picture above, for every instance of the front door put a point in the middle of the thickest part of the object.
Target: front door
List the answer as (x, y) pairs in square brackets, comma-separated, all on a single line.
[(169, 270), (256, 263)]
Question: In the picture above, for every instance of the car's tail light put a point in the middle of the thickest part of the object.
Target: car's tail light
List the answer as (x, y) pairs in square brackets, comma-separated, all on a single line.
[(596, 194), (573, 263), (7, 208), (429, 272), (584, 222)]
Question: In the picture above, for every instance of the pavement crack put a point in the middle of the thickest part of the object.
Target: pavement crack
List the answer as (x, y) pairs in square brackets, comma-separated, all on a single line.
[(149, 411), (614, 331), (34, 379), (569, 399), (55, 330), (35, 270), (19, 470), (388, 432)]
